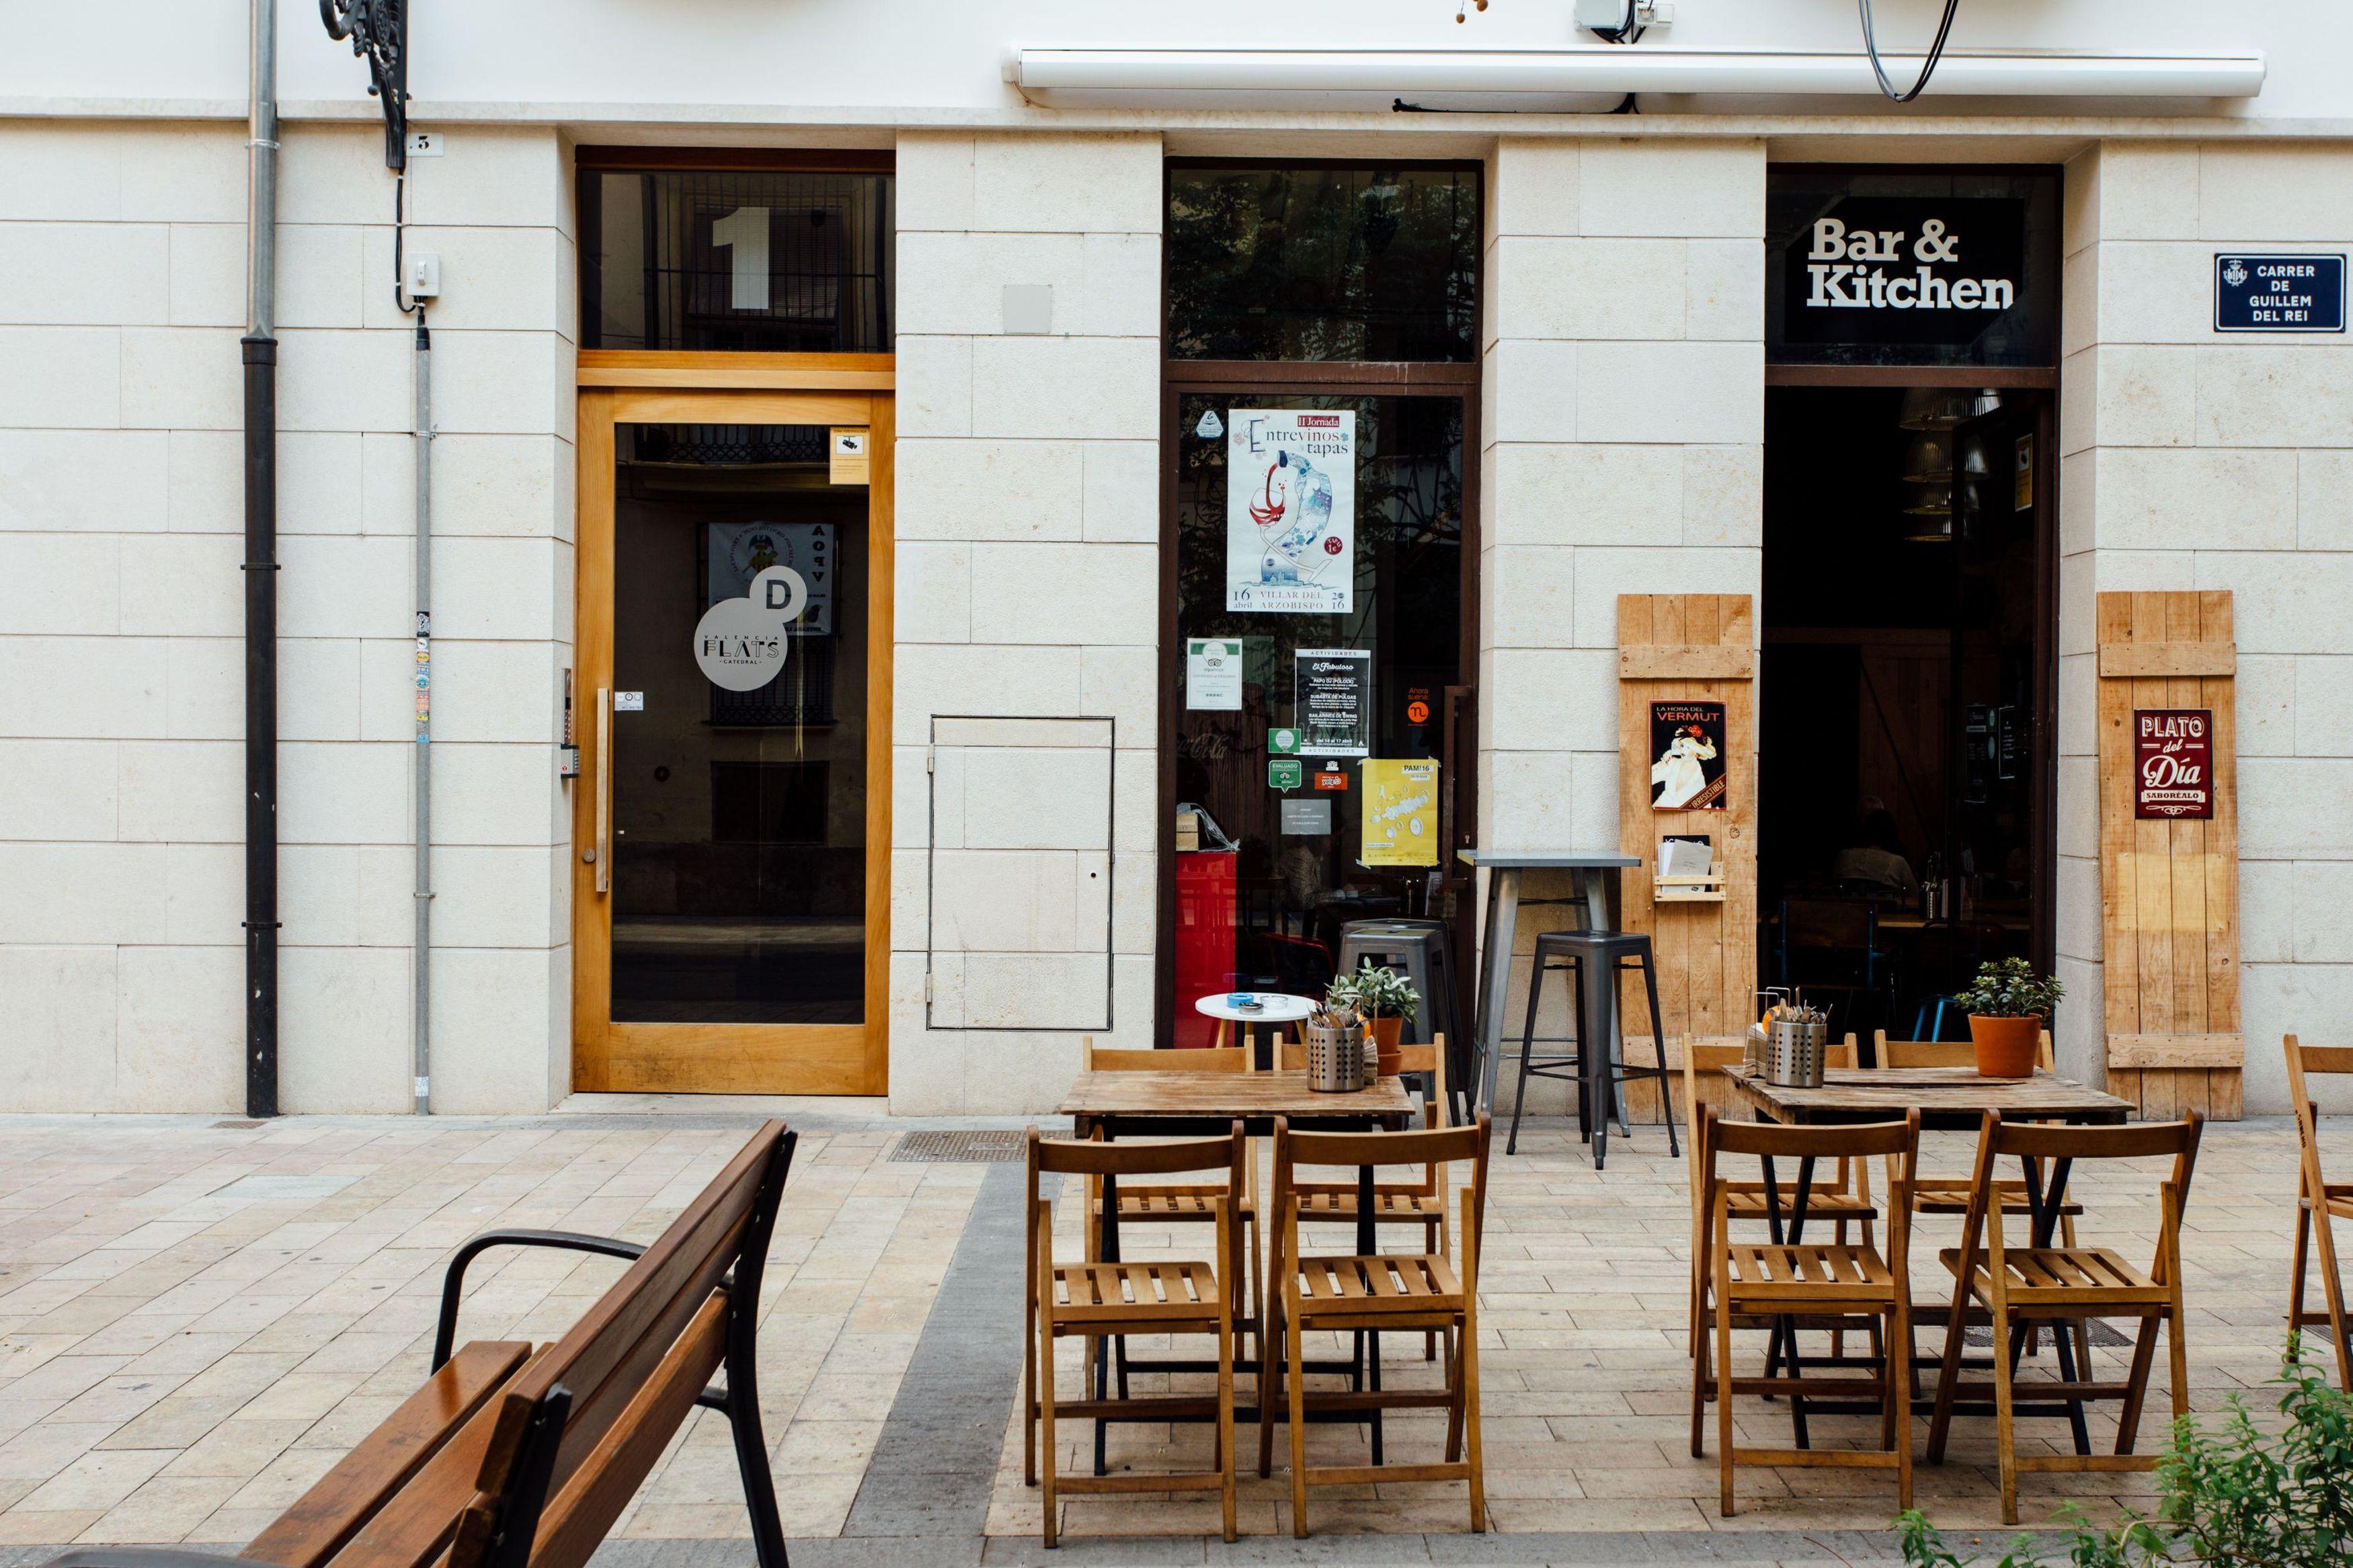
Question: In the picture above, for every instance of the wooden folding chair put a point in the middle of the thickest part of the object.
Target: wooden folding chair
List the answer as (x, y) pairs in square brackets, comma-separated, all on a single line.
[(1421, 1202), (1097, 1299), (2318, 1203), (1771, 1281), (1950, 1195), (1369, 1294), (1181, 1203), (2016, 1287), (1845, 1201)]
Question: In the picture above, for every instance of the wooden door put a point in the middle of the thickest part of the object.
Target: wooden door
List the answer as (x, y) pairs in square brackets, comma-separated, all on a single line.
[(731, 821)]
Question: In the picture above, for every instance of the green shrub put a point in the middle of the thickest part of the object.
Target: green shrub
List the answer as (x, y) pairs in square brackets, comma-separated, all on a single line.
[(2236, 1497), (2012, 989), (1375, 991)]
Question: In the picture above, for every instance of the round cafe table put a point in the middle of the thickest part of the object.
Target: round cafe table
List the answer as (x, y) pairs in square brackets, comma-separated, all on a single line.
[(1276, 1008)]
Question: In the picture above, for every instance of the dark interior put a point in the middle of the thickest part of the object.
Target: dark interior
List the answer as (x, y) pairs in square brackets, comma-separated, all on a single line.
[(1905, 759)]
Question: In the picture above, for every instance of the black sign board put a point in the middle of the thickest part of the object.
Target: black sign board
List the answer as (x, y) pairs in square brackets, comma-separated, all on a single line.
[(2279, 293), (1905, 269), (1894, 267)]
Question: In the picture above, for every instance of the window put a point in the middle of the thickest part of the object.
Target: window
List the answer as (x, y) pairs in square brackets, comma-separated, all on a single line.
[(761, 260), (1321, 261)]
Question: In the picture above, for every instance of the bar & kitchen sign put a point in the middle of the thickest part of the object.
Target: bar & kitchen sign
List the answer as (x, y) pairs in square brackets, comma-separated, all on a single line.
[(1904, 269), (1868, 265)]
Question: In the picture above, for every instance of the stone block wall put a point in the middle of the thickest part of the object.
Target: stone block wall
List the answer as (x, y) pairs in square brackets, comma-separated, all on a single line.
[(2198, 459), (121, 617), (1623, 452), (1029, 574)]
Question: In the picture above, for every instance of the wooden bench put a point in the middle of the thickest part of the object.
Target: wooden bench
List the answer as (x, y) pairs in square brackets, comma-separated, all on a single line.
[(512, 1458)]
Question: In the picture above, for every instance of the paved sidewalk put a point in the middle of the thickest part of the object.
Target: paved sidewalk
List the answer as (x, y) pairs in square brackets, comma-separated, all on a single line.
[(197, 1318)]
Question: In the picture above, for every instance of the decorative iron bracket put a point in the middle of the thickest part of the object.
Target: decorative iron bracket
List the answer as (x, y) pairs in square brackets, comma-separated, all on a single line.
[(378, 30)]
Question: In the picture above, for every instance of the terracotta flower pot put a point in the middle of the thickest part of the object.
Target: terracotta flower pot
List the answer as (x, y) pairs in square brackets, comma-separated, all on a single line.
[(1386, 1034), (2006, 1047)]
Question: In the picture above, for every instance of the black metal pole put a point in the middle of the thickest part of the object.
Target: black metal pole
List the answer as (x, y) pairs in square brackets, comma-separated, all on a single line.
[(261, 346), (260, 726)]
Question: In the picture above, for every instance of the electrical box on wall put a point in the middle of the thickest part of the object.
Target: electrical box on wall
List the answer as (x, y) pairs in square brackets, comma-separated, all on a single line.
[(420, 275)]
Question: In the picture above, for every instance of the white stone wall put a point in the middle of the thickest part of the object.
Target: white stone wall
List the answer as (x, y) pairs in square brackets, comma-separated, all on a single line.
[(121, 704), (1028, 584), (2194, 459), (1623, 452)]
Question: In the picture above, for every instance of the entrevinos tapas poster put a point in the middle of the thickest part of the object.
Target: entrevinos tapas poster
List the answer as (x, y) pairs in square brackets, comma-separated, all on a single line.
[(1291, 510)]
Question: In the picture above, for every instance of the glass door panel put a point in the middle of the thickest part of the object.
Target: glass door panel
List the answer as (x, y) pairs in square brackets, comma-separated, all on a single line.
[(1313, 765), (739, 809)]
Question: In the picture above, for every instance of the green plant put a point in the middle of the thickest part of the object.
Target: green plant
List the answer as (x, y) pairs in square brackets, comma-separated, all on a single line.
[(1375, 991), (2235, 1497), (2012, 989)]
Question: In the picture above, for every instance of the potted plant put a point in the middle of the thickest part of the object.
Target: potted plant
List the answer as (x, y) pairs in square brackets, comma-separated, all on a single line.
[(2009, 1006), (1384, 999)]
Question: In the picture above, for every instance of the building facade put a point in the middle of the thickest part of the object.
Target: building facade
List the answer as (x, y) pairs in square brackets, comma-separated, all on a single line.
[(1012, 306)]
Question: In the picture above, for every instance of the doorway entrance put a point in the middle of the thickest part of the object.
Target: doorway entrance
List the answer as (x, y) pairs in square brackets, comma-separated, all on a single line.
[(730, 889), (1907, 772)]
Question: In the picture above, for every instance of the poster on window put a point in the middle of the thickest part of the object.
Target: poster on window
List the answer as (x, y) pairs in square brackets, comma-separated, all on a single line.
[(735, 552), (1400, 825), (1333, 696), (2174, 752), (1291, 510), (1687, 756)]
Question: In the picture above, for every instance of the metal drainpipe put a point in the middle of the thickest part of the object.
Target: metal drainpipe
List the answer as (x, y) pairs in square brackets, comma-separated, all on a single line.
[(261, 352), (423, 1028)]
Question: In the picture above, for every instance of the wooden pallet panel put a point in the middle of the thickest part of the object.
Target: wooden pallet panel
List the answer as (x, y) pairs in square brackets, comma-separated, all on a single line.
[(2170, 889), (1696, 648)]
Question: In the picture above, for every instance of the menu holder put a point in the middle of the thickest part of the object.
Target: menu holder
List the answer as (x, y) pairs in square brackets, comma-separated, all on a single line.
[(1708, 888)]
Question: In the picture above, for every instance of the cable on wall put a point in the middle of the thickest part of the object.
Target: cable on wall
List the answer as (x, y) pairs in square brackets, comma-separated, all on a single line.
[(1927, 67)]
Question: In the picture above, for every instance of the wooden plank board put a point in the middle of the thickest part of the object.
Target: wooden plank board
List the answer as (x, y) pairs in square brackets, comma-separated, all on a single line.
[(1689, 647), (2175, 1050), (1689, 662), (2169, 893), (2163, 661)]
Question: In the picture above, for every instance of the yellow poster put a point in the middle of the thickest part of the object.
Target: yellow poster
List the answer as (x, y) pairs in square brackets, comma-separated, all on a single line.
[(1400, 813)]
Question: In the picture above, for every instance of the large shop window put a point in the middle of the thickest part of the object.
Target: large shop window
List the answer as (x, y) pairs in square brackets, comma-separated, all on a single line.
[(1321, 566), (762, 260), (1323, 262)]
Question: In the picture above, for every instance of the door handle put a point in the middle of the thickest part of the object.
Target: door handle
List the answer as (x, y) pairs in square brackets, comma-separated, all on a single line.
[(600, 853)]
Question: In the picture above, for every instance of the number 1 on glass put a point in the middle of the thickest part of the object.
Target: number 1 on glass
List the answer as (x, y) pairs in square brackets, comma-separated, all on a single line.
[(745, 233)]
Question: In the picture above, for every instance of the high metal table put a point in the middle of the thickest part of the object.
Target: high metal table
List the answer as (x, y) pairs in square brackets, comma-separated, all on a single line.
[(1597, 874)]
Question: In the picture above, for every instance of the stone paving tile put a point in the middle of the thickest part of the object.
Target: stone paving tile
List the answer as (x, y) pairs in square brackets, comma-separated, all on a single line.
[(194, 1322)]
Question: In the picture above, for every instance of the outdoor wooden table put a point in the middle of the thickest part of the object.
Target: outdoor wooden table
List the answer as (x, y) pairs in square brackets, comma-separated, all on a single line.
[(1953, 1098), (1947, 1097), (1164, 1104)]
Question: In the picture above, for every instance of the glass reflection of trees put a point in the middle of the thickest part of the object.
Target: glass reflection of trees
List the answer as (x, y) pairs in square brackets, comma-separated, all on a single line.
[(1323, 262)]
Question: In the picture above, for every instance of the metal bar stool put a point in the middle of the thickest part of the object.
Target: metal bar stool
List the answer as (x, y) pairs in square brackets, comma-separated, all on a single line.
[(1417, 948), (1598, 1073)]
